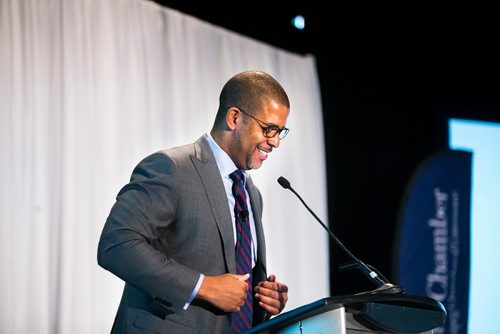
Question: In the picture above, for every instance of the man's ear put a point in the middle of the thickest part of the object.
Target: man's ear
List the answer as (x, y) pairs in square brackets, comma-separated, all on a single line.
[(233, 116)]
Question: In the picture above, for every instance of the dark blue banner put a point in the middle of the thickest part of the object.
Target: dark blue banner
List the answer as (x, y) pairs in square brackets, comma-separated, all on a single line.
[(433, 239)]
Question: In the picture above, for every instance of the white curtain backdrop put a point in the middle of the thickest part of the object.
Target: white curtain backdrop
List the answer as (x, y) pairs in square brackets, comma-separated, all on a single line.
[(90, 87)]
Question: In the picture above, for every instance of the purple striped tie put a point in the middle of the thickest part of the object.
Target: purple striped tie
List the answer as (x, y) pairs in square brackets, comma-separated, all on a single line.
[(242, 320)]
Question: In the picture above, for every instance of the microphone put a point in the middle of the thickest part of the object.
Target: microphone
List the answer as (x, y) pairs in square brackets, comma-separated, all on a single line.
[(383, 285), (243, 215)]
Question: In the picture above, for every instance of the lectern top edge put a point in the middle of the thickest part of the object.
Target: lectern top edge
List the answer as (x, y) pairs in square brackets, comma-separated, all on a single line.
[(371, 309)]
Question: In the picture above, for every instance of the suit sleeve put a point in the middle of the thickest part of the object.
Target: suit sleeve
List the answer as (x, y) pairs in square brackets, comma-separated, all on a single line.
[(129, 246)]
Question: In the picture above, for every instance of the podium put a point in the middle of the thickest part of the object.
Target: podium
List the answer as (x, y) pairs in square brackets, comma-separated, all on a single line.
[(361, 313)]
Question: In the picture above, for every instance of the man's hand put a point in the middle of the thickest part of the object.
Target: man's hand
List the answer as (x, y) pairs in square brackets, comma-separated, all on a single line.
[(226, 292), (272, 295)]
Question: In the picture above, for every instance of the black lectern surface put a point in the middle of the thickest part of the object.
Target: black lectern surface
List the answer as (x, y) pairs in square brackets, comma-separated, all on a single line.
[(398, 313)]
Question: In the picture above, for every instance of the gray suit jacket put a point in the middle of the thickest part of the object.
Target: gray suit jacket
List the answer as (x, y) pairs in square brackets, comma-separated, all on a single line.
[(168, 225)]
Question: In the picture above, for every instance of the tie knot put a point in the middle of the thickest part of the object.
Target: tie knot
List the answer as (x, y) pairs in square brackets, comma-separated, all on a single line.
[(237, 175)]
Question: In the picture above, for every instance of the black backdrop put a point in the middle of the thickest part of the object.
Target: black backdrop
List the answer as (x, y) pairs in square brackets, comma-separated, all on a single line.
[(390, 78)]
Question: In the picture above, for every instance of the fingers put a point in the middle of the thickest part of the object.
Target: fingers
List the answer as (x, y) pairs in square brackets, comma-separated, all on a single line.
[(272, 295), (282, 287), (241, 303), (273, 286), (244, 278), (271, 305), (227, 292)]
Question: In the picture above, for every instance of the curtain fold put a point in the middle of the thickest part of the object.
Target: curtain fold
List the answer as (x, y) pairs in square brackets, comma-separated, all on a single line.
[(87, 89)]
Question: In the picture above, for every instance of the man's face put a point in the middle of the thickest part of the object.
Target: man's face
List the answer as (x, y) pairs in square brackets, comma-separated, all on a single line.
[(250, 147)]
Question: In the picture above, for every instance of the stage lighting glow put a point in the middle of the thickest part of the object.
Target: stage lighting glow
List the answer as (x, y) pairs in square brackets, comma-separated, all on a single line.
[(299, 22)]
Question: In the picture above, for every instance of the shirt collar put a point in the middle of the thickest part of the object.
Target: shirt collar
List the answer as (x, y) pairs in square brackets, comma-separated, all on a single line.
[(224, 162)]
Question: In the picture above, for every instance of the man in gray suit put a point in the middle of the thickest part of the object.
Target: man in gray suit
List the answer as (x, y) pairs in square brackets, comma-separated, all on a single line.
[(171, 234)]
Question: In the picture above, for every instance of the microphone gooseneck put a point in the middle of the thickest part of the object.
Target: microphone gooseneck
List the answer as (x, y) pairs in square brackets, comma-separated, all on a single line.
[(383, 285)]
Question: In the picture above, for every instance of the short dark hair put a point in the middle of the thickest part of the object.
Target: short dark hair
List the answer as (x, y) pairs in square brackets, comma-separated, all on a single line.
[(249, 90)]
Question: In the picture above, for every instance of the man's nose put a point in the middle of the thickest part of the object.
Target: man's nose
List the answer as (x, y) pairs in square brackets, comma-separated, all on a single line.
[(274, 141)]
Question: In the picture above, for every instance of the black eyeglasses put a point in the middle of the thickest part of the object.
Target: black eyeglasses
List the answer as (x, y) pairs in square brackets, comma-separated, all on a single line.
[(269, 130)]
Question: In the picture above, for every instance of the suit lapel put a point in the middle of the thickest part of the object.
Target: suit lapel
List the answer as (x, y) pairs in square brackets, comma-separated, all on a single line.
[(206, 166)]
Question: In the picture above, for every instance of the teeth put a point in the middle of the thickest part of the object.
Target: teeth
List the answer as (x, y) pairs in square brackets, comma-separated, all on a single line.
[(263, 152)]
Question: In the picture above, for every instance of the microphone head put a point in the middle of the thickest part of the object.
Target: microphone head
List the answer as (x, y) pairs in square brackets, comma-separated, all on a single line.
[(283, 182), (243, 215)]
